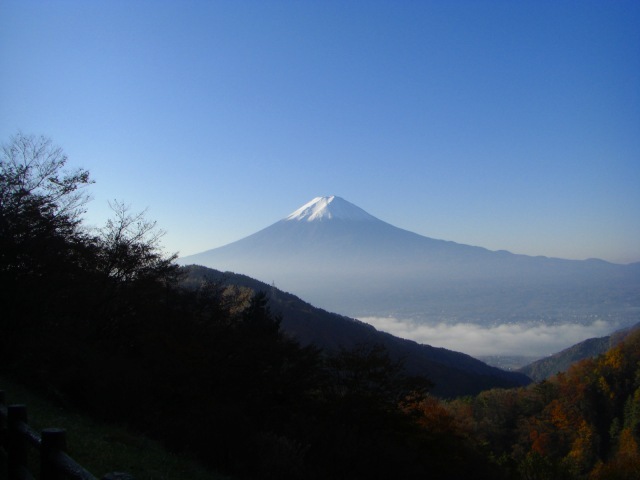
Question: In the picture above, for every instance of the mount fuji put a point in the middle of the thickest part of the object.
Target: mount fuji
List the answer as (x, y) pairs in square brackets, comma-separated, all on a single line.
[(339, 257)]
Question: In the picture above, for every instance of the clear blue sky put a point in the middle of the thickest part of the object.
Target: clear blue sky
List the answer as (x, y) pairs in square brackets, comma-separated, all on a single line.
[(509, 125)]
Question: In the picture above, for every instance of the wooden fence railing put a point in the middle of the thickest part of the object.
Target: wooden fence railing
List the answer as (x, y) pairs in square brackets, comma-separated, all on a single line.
[(17, 438)]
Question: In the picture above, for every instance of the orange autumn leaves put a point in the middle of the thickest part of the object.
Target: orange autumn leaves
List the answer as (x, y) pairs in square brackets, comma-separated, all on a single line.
[(583, 423)]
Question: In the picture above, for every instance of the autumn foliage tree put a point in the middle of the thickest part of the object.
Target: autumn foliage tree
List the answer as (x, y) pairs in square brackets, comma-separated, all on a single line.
[(580, 424)]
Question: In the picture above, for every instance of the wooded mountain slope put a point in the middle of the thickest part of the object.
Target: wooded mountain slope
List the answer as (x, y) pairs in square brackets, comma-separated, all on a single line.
[(452, 373), (561, 361), (580, 424)]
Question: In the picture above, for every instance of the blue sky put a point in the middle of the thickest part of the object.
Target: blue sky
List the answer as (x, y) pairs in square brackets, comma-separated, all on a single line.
[(509, 125)]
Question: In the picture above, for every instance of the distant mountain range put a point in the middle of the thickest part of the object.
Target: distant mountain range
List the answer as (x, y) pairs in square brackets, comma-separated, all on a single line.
[(452, 373), (337, 256)]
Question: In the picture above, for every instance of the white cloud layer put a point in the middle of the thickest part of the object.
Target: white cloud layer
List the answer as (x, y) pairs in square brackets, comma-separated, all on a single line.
[(532, 339)]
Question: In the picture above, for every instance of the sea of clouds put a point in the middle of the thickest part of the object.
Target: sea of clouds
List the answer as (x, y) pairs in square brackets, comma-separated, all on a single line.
[(528, 339)]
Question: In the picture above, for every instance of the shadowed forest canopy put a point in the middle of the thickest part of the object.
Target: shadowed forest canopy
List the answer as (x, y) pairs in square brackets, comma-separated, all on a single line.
[(99, 321)]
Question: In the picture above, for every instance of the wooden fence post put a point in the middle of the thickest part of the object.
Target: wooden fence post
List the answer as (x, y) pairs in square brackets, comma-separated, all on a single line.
[(54, 441), (16, 443), (3, 422), (55, 464)]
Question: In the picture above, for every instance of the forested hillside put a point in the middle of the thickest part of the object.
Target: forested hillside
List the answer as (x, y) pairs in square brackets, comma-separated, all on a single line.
[(583, 423), (99, 321), (561, 361), (452, 373)]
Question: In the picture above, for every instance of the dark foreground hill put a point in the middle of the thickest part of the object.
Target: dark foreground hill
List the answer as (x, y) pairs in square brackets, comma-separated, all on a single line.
[(561, 361), (453, 373)]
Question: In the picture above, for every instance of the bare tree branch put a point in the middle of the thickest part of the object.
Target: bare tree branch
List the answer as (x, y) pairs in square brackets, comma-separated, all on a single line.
[(131, 245), (32, 172)]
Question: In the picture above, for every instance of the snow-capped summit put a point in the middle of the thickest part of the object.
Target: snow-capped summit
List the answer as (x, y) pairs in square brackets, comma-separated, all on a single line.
[(328, 208)]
